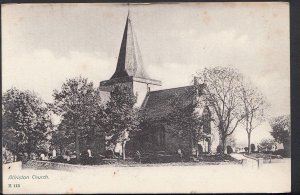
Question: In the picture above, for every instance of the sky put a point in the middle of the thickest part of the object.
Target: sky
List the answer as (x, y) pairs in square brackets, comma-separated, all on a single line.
[(44, 44)]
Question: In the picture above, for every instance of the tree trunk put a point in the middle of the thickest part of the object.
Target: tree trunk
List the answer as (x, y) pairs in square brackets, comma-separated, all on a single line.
[(123, 150), (222, 140), (61, 149), (223, 144), (77, 146), (209, 145), (249, 142)]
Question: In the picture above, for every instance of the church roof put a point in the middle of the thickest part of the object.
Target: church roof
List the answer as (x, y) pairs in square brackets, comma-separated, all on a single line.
[(130, 61), (158, 104)]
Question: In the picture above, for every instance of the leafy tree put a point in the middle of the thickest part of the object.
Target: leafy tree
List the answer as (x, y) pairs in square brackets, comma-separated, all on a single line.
[(26, 122), (79, 105), (222, 94), (266, 144), (122, 118), (61, 139), (281, 131), (7, 156), (253, 107)]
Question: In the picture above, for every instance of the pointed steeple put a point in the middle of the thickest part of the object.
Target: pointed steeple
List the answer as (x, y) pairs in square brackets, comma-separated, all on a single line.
[(130, 70), (130, 61)]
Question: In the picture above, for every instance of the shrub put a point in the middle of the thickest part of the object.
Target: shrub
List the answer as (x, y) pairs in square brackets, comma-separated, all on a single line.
[(246, 149), (229, 150), (109, 154), (7, 156), (258, 148), (219, 149), (59, 159), (267, 152), (280, 152), (252, 147)]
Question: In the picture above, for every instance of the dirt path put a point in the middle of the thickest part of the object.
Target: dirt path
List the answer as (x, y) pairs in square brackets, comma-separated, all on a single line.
[(165, 179)]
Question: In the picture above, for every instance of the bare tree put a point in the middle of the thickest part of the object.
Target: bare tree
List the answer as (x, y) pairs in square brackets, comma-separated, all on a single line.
[(253, 108), (221, 94), (231, 141)]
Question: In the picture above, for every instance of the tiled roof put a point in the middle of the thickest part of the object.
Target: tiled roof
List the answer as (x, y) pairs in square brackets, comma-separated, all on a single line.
[(158, 104)]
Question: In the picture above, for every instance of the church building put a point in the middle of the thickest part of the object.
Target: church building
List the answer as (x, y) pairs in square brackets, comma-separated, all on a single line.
[(156, 102)]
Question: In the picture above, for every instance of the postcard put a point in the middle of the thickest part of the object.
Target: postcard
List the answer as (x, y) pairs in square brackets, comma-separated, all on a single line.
[(146, 98)]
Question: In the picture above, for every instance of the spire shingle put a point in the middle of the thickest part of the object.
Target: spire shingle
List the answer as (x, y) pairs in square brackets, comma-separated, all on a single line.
[(130, 61)]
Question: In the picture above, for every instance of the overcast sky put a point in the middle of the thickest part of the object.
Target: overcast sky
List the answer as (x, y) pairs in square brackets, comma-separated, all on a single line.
[(45, 44)]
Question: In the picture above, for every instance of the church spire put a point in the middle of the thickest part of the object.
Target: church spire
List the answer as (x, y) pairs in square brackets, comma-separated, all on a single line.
[(130, 69), (130, 61)]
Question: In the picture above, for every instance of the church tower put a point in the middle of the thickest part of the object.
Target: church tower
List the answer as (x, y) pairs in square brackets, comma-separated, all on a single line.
[(130, 71)]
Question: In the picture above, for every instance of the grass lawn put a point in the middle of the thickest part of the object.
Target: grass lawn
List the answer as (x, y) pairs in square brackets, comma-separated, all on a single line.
[(217, 158), (155, 160), (205, 160)]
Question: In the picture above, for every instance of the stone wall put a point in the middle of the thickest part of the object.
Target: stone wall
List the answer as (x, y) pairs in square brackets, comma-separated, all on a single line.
[(40, 165), (174, 142)]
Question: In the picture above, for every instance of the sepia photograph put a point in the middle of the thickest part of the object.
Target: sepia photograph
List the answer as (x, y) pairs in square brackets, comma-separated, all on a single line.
[(146, 98)]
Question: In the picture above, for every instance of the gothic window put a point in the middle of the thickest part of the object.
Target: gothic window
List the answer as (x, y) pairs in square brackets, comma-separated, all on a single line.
[(160, 137)]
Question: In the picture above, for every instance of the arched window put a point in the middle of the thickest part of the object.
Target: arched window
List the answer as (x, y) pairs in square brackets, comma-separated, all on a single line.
[(160, 137)]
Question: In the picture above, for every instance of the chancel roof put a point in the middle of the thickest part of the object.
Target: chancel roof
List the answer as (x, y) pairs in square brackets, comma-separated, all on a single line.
[(158, 104)]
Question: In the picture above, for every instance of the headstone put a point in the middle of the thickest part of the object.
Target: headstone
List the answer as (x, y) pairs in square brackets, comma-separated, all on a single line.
[(42, 156), (118, 148), (54, 153), (194, 151), (89, 152)]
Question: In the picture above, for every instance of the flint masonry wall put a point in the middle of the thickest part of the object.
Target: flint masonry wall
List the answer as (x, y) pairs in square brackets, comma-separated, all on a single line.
[(174, 142), (42, 165)]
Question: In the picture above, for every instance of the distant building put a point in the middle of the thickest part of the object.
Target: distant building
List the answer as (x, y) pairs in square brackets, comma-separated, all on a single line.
[(156, 103)]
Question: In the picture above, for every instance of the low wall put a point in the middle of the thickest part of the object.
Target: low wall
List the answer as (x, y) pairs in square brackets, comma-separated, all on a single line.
[(12, 166), (259, 161), (43, 165), (36, 164), (266, 160), (253, 158)]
